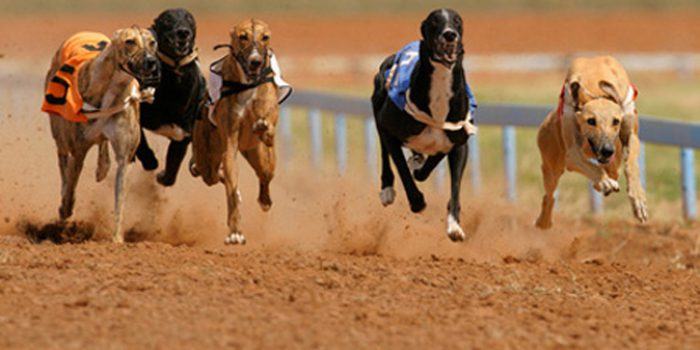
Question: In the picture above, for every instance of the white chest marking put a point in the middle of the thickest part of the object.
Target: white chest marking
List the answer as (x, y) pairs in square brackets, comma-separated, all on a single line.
[(432, 141), (440, 92)]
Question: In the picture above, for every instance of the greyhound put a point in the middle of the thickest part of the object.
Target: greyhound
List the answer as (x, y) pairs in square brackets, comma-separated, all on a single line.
[(93, 93)]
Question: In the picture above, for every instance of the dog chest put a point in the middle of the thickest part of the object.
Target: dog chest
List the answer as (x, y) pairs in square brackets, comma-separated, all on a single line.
[(440, 92), (430, 141)]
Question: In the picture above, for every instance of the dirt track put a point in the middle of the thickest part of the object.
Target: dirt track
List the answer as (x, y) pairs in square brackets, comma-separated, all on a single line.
[(329, 266), (98, 295)]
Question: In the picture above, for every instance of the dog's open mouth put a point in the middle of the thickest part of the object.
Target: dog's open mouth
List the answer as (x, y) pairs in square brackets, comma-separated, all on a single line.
[(181, 50), (447, 54)]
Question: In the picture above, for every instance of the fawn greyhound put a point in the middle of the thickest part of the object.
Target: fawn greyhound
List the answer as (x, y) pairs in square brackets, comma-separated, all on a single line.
[(593, 131)]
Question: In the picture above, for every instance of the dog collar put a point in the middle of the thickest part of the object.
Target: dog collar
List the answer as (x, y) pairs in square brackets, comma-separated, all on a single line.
[(170, 62)]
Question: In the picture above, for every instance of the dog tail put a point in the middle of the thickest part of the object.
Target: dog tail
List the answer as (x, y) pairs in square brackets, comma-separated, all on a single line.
[(103, 162)]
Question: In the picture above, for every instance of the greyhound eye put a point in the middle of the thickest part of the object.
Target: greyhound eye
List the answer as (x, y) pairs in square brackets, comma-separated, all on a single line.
[(130, 42), (265, 38), (243, 37), (616, 122), (591, 121)]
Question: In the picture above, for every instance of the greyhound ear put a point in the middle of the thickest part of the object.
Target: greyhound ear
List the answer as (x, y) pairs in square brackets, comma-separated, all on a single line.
[(192, 22), (424, 29), (574, 90), (153, 32), (609, 89)]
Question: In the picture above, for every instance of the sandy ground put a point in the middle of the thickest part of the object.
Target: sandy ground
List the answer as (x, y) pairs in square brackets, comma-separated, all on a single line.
[(328, 266)]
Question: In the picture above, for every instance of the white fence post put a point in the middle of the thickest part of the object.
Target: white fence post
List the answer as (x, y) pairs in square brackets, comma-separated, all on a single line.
[(510, 161), (315, 131), (341, 143), (371, 148)]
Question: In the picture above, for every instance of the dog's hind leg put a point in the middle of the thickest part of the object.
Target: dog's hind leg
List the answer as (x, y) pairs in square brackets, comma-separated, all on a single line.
[(73, 166), (103, 162), (551, 173), (458, 161), (176, 153), (415, 197), (388, 194), (423, 172), (262, 159)]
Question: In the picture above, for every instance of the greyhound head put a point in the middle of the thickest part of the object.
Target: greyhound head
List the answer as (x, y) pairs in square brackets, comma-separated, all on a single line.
[(598, 119), (250, 45), (135, 52), (176, 31), (442, 32)]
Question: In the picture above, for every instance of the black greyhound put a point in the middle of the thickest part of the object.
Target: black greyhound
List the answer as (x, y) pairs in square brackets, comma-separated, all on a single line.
[(181, 96), (422, 101)]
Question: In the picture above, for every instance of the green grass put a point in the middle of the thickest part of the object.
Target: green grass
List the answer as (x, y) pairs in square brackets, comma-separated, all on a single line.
[(663, 96), (323, 6)]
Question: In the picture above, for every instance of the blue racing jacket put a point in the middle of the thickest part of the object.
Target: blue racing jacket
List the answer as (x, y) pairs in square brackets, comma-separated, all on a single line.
[(404, 64)]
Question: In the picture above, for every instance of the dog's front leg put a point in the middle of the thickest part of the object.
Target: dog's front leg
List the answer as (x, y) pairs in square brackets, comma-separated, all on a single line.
[(119, 199), (387, 195), (176, 153), (415, 197), (635, 191), (576, 160), (421, 174), (458, 161), (145, 154), (232, 195), (263, 159)]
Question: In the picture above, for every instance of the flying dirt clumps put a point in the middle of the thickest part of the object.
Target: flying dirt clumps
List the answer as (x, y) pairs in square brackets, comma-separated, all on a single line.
[(58, 232)]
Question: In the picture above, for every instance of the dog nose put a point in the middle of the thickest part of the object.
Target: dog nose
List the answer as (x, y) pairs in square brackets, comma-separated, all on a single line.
[(255, 63), (183, 34), (607, 151), (449, 35), (151, 64)]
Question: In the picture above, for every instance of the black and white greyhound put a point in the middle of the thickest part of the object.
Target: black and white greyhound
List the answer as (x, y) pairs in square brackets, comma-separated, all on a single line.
[(422, 101)]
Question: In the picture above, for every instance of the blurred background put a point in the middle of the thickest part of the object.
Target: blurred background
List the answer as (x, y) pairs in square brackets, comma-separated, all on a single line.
[(516, 53)]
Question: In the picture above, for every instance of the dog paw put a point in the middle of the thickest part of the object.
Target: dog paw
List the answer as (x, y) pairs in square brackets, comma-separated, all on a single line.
[(543, 224), (418, 203), (193, 169), (261, 126), (149, 162), (164, 179), (607, 186), (119, 239), (388, 195), (235, 238), (454, 231), (415, 162), (265, 203), (148, 95), (65, 213), (639, 209)]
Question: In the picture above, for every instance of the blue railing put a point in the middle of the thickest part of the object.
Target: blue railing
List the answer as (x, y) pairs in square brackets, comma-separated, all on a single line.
[(684, 135)]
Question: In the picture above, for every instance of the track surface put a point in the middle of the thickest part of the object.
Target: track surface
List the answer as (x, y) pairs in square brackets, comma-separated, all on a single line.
[(329, 267), (99, 295)]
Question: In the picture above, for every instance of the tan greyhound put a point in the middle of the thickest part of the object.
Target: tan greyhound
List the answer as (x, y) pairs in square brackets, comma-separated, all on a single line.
[(244, 119), (594, 130), (93, 90)]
